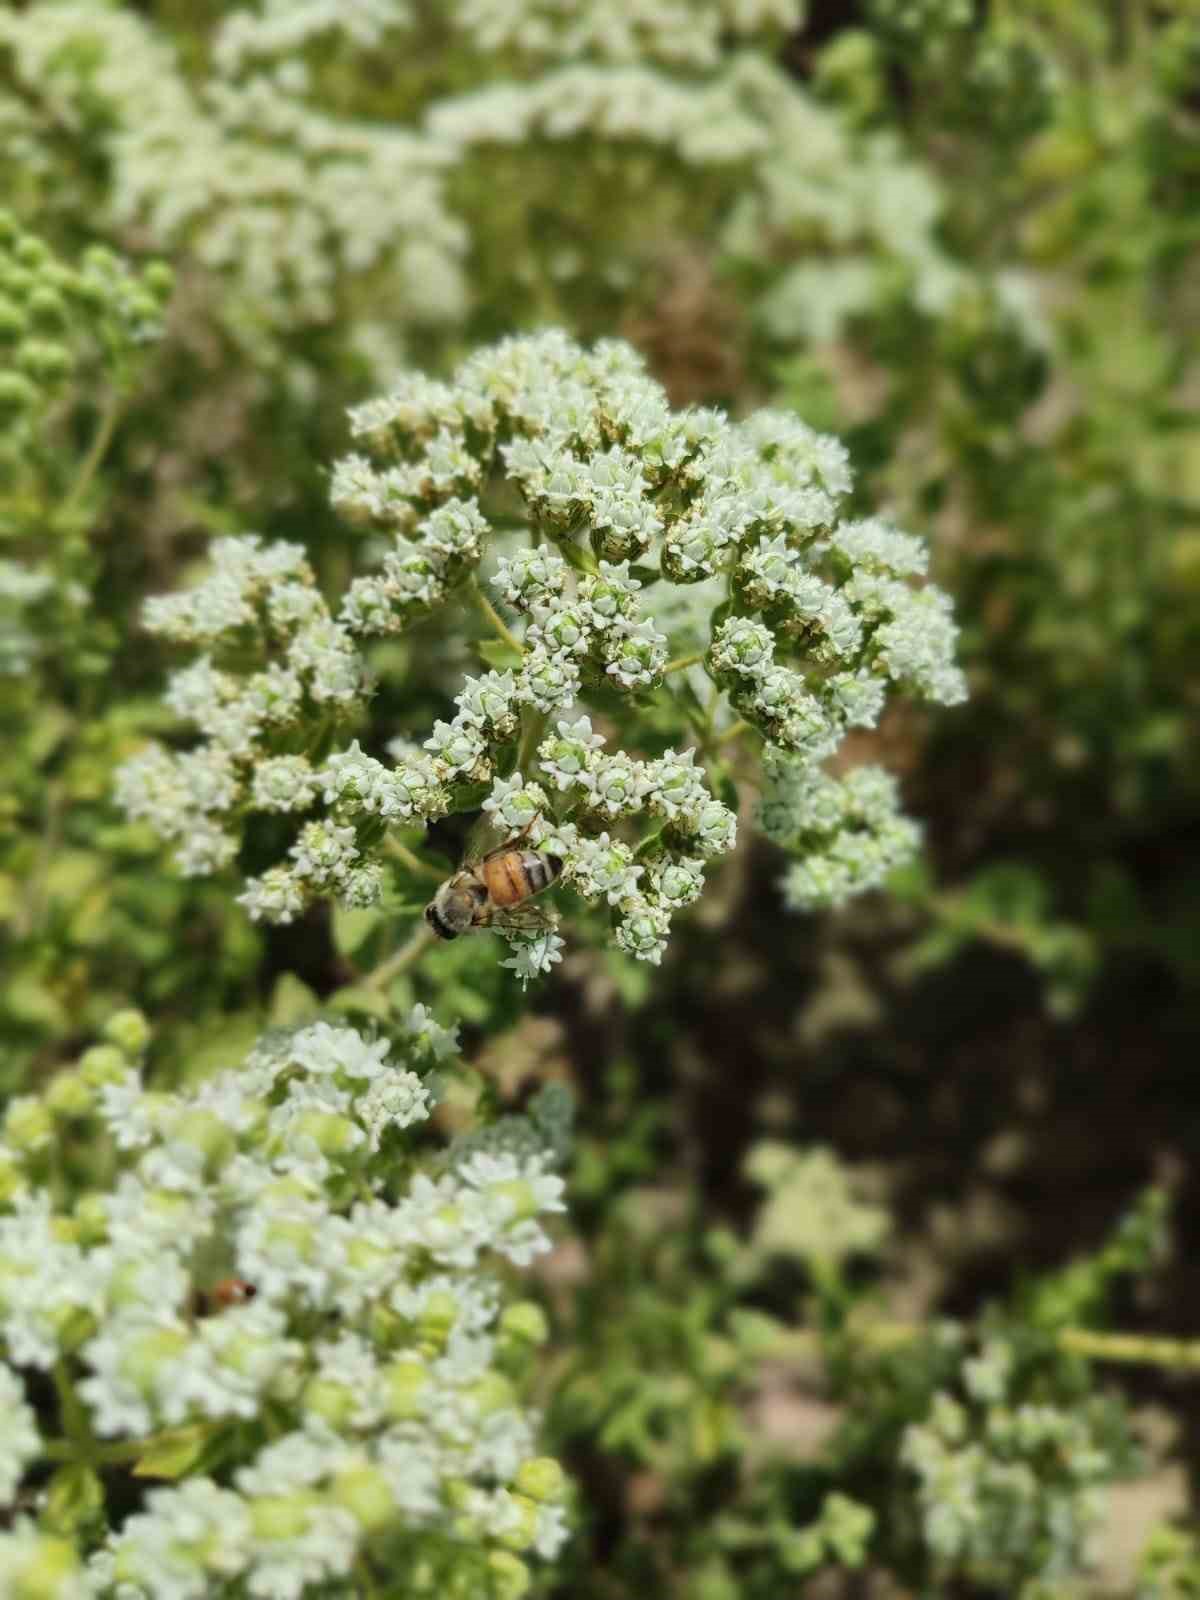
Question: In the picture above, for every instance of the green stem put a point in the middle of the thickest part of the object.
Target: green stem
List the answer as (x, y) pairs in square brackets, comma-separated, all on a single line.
[(1133, 1349), (90, 464), (530, 739), (75, 1419), (681, 662), (734, 731), (502, 630), (406, 857), (383, 974)]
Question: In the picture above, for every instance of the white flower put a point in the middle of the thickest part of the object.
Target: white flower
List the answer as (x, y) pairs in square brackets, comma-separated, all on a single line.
[(395, 1101), (532, 954), (20, 1442)]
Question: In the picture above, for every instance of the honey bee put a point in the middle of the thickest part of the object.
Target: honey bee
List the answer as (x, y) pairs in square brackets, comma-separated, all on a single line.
[(231, 1292), (221, 1295), (493, 892)]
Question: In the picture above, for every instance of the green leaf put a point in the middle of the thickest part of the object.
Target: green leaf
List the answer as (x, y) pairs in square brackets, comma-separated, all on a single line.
[(172, 1454), (291, 1002), (352, 926), (74, 1497), (361, 1001), (498, 654)]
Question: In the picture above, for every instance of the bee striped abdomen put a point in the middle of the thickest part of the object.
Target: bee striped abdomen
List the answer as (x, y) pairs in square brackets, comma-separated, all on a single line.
[(515, 875)]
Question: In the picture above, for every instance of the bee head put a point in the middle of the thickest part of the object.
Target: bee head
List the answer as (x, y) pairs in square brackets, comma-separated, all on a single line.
[(451, 910)]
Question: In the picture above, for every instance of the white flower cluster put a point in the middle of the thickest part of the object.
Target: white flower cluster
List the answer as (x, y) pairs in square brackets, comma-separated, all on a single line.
[(1007, 1489), (261, 183), (805, 622), (876, 211), (259, 604), (367, 1323), (847, 834), (681, 32)]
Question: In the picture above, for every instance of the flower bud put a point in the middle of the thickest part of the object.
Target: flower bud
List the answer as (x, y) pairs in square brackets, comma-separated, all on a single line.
[(44, 360), (490, 1393), (12, 1180), (438, 1316), (403, 1382), (204, 1132), (159, 279), (50, 1571), (524, 1529), (541, 1478), (365, 1494), (17, 395), (68, 1095), (509, 1575), (149, 1356), (333, 1135), (128, 1030), (28, 1126), (13, 325), (91, 1217), (524, 1323), (282, 1516), (332, 1402), (521, 1197), (103, 1063)]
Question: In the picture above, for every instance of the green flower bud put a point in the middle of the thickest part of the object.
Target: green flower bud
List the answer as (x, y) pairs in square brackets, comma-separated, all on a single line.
[(282, 1516), (16, 281), (524, 1531), (128, 1030), (50, 1572), (403, 1382), (148, 1358), (73, 1327), (332, 1402), (73, 1499), (519, 1193), (17, 395), (438, 1317), (12, 1180), (524, 1323), (68, 1095), (510, 1577), (204, 1131), (456, 1492), (28, 1126), (143, 308), (385, 1327), (13, 322), (98, 259), (159, 278), (364, 1492), (541, 1478), (45, 361), (103, 1063), (91, 1217), (47, 310), (492, 1392), (332, 1134), (30, 252)]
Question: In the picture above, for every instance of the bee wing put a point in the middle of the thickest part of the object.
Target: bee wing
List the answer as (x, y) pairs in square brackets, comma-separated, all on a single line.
[(527, 918), (489, 838), (485, 838)]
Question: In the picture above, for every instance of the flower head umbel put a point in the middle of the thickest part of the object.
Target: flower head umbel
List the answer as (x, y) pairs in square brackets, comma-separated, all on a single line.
[(358, 1393), (649, 533)]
